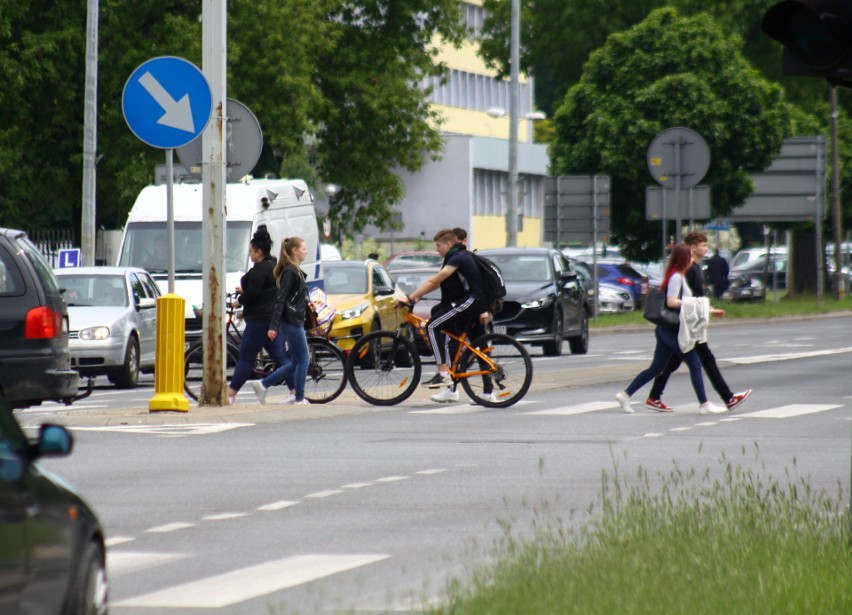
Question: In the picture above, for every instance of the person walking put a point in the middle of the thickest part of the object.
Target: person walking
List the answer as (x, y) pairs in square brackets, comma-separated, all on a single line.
[(288, 318), (678, 294), (256, 294), (717, 273), (462, 301), (697, 242)]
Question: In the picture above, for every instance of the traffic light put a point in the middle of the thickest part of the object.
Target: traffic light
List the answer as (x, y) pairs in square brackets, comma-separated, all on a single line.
[(817, 37)]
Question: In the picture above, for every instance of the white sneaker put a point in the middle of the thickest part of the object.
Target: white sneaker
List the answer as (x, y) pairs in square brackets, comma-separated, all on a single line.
[(290, 399), (623, 400), (446, 395), (302, 402), (259, 390), (492, 397), (708, 408)]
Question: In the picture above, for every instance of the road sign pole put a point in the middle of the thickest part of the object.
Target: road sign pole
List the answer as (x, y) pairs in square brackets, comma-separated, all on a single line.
[(678, 220), (170, 215), (214, 177)]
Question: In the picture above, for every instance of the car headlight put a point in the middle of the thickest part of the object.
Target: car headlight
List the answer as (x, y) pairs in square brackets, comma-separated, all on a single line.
[(354, 312), (94, 333), (537, 304)]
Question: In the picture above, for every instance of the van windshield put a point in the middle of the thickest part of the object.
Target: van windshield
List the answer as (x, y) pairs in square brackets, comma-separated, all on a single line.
[(146, 246)]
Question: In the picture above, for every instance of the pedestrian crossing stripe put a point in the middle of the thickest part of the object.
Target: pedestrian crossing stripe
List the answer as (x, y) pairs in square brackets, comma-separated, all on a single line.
[(125, 562), (182, 429), (250, 582), (785, 412), (591, 406)]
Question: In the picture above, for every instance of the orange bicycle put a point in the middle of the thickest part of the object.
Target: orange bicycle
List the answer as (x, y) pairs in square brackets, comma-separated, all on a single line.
[(384, 367)]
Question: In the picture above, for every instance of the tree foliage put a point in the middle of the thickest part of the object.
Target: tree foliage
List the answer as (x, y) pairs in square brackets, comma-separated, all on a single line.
[(645, 80), (335, 85)]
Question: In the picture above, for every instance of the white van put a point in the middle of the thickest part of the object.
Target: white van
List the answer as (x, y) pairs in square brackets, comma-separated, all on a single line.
[(284, 206)]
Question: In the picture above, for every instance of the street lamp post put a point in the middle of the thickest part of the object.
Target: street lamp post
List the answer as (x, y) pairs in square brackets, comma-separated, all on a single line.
[(514, 103)]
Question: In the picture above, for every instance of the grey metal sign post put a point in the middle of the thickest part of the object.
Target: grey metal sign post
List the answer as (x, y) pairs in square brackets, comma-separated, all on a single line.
[(678, 158)]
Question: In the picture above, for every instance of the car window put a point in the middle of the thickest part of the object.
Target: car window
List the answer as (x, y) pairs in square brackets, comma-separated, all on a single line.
[(522, 268), (345, 281), (43, 270), (11, 281), (150, 286), (628, 271), (89, 290), (138, 289), (378, 280)]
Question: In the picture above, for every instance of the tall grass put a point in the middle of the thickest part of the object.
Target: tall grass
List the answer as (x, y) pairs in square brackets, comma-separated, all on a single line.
[(723, 540)]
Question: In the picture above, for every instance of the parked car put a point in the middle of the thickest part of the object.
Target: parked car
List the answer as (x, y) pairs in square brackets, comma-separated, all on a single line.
[(35, 363), (362, 293), (625, 276), (413, 260), (545, 301), (611, 298), (409, 280), (749, 255), (113, 314), (751, 281), (52, 556)]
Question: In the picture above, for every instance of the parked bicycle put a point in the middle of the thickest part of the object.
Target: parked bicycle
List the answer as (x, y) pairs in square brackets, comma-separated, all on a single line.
[(384, 367), (326, 377)]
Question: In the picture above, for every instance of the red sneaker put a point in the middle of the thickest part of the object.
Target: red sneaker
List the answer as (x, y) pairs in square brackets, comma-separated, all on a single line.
[(658, 405), (737, 399)]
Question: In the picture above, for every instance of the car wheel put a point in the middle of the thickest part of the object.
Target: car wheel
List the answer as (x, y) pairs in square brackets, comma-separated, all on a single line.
[(580, 343), (553, 348), (128, 377), (89, 591)]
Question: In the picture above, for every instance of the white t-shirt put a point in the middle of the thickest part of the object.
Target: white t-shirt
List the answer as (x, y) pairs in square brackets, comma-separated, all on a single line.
[(675, 284)]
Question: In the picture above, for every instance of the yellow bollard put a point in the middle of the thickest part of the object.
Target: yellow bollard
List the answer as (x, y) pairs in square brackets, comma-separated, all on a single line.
[(168, 372)]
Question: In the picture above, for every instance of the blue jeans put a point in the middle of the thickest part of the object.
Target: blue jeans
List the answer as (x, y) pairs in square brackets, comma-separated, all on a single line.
[(254, 338), (666, 347), (296, 370)]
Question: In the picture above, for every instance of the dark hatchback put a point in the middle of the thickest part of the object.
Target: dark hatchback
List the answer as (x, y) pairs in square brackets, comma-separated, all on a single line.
[(545, 301), (35, 363), (52, 557)]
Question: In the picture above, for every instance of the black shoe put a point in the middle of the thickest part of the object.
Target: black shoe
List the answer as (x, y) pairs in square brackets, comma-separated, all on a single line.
[(437, 381)]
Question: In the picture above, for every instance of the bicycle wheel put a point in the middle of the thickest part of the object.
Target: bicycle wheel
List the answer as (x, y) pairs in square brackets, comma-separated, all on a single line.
[(508, 381), (193, 369), (326, 371), (384, 368)]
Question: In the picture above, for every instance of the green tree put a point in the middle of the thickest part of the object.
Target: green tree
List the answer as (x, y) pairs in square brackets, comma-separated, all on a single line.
[(335, 85), (645, 80)]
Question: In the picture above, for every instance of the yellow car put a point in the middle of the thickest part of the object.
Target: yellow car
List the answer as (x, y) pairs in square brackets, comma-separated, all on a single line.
[(362, 293)]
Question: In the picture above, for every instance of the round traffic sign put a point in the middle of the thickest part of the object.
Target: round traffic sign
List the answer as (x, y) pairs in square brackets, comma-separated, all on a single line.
[(678, 152), (167, 102)]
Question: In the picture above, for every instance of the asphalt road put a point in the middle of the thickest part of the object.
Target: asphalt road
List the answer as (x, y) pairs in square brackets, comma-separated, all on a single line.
[(252, 509)]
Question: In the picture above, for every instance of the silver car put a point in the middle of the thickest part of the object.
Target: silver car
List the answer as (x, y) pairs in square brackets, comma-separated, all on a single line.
[(113, 321)]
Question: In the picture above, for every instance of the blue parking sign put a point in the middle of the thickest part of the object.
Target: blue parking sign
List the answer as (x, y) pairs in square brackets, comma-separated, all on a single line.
[(167, 102)]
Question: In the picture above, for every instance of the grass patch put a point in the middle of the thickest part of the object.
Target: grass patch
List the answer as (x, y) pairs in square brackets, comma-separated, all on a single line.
[(726, 540), (802, 306)]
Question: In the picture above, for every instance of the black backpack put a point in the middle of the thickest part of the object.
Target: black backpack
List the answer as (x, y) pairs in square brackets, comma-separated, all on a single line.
[(492, 282)]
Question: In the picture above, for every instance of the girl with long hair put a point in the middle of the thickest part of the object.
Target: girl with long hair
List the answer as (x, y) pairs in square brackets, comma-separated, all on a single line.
[(676, 290), (288, 319)]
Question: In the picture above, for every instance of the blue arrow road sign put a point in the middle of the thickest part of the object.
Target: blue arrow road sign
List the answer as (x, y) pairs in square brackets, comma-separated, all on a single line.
[(167, 102)]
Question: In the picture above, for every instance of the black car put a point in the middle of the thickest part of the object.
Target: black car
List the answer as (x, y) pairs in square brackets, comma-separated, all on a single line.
[(52, 557), (545, 301), (35, 363)]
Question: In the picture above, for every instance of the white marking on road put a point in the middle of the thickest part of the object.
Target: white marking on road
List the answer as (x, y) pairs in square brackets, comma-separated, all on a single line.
[(193, 429), (730, 419), (431, 471), (170, 527), (768, 358), (277, 505), (628, 352), (652, 435), (251, 582), (592, 406), (452, 409), (355, 485), (680, 429), (324, 494), (707, 423), (224, 516), (124, 562), (784, 412), (118, 540), (65, 408), (391, 479), (634, 358)]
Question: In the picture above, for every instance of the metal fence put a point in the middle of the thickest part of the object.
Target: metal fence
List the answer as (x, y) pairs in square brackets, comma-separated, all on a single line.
[(50, 242)]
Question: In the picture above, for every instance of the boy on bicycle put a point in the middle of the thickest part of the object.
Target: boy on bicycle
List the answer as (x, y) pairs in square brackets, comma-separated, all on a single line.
[(462, 303)]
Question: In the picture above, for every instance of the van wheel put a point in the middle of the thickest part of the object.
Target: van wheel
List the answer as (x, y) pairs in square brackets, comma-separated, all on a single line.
[(128, 376)]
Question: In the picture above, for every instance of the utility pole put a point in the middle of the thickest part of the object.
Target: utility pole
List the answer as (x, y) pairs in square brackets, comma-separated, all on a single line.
[(214, 177), (514, 103), (90, 137), (836, 214)]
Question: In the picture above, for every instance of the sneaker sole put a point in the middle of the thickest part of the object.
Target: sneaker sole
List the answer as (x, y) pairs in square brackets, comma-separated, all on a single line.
[(655, 409)]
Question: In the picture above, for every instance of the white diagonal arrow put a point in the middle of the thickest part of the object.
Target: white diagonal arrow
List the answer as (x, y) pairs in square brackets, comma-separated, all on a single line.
[(178, 113)]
